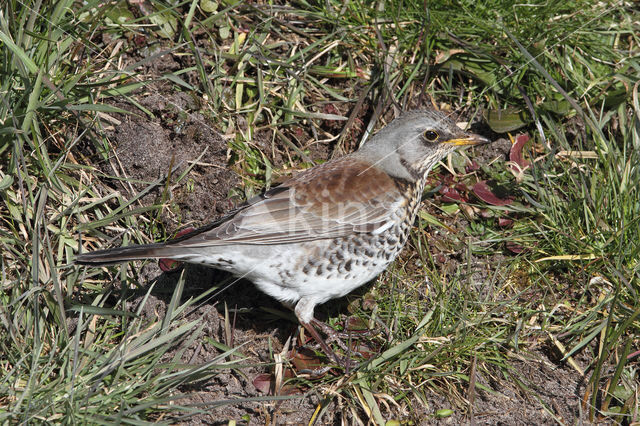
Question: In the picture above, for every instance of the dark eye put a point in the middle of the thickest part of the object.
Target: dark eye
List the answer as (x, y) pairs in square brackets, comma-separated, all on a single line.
[(431, 136)]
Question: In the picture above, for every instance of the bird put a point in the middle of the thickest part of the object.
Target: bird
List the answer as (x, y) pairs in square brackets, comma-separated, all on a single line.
[(327, 230)]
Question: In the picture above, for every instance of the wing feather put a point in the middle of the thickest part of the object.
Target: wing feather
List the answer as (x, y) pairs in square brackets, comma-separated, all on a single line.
[(334, 199)]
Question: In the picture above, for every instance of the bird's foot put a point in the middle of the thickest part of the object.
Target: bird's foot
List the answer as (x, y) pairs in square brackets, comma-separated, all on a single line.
[(345, 362), (334, 335)]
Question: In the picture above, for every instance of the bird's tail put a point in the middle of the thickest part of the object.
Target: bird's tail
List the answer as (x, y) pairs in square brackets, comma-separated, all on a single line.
[(125, 254)]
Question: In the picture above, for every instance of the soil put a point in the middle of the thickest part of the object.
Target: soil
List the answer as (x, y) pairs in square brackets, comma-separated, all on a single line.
[(145, 148), (161, 150)]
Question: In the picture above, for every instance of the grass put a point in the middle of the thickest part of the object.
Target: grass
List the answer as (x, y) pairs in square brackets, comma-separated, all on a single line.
[(76, 346)]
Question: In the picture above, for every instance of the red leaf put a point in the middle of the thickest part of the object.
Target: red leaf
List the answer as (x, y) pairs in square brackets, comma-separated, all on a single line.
[(461, 187), (451, 195), (446, 180), (505, 223), (170, 265), (515, 153), (514, 247), (262, 382), (472, 167), (305, 359), (185, 231), (482, 191)]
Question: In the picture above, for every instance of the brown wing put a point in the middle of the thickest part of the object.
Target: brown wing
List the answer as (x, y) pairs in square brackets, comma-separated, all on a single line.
[(331, 200)]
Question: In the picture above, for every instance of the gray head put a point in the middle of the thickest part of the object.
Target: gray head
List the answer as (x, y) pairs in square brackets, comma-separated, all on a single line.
[(413, 143)]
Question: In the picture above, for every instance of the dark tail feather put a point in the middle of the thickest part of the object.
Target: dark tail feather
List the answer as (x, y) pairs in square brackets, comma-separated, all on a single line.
[(124, 254)]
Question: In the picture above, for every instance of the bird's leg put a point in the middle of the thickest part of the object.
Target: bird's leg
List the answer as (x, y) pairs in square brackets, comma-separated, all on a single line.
[(333, 335), (326, 348), (304, 312), (347, 363), (337, 335)]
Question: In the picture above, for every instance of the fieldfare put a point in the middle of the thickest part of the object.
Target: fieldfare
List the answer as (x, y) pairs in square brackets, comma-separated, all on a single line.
[(327, 230)]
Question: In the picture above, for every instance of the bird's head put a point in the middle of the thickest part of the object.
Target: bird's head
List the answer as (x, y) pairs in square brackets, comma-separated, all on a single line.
[(413, 143)]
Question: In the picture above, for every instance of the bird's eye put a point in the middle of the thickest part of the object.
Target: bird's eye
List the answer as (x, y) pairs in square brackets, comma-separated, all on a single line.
[(431, 135)]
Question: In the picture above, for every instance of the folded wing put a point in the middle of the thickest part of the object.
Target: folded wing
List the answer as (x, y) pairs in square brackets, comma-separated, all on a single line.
[(334, 199)]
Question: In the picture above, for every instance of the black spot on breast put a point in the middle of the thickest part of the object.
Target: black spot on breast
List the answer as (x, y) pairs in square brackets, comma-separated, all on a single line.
[(347, 265), (306, 269), (320, 270)]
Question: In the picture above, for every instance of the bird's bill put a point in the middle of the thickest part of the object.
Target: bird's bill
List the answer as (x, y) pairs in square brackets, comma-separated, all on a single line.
[(471, 140)]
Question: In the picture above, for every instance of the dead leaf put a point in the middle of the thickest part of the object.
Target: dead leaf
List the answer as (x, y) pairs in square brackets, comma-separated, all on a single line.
[(514, 247), (306, 359), (505, 223), (515, 153), (262, 382), (170, 265), (483, 192), (451, 195)]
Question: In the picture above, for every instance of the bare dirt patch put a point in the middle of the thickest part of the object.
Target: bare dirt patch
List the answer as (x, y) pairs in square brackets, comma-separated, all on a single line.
[(180, 139)]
